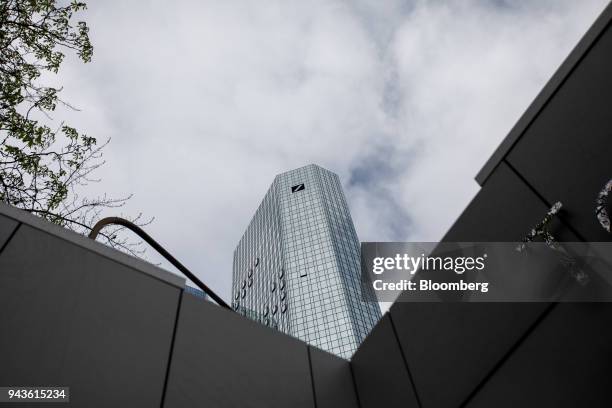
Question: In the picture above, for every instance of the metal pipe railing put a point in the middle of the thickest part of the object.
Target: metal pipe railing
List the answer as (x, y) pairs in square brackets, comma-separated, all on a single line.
[(140, 232)]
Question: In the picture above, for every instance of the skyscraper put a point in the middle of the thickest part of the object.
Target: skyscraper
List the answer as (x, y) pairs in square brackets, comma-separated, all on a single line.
[(297, 266)]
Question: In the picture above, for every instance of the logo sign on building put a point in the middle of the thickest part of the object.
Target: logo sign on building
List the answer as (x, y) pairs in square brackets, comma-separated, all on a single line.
[(297, 188)]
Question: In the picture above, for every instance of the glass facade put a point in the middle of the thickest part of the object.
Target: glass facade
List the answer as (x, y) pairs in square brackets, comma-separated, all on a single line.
[(297, 266), (195, 292)]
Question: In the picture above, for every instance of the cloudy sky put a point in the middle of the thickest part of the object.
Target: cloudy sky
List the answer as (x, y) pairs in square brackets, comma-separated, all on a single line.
[(206, 101)]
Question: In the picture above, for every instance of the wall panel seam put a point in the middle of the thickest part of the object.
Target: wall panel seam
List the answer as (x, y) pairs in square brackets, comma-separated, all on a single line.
[(543, 199), (538, 320), (405, 360), (171, 351), (314, 392), (355, 384), (10, 237), (510, 351)]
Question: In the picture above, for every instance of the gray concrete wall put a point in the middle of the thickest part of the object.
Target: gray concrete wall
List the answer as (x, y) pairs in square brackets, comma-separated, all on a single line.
[(121, 332)]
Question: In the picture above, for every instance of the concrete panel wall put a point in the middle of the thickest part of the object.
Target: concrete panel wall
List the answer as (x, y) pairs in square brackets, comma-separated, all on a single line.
[(333, 380), (70, 317), (121, 332), (381, 374), (459, 344), (504, 210), (566, 362), (221, 359), (566, 154)]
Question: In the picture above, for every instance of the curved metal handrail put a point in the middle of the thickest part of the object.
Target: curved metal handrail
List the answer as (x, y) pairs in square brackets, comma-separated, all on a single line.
[(140, 232)]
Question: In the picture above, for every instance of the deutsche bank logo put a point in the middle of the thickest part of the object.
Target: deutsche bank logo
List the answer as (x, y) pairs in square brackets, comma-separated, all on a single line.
[(297, 188)]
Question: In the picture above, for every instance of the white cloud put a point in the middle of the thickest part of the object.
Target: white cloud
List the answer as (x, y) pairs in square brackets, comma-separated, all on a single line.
[(207, 101), (466, 71)]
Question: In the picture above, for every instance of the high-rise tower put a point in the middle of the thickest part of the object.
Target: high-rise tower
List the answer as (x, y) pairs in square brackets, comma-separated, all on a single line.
[(297, 266)]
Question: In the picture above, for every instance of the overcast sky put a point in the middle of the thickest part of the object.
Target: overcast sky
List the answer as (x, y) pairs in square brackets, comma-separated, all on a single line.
[(206, 101)]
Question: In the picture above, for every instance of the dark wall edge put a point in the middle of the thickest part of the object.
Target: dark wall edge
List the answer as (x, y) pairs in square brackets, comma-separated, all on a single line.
[(549, 90), (521, 340), (93, 246), (171, 351), (405, 361), (4, 244), (311, 372)]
